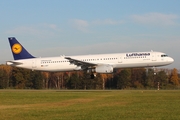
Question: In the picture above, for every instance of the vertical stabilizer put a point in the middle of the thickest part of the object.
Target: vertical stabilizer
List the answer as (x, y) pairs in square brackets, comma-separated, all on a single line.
[(18, 51)]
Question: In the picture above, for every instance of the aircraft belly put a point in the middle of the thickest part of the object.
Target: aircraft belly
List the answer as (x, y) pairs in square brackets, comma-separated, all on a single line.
[(141, 64), (128, 65)]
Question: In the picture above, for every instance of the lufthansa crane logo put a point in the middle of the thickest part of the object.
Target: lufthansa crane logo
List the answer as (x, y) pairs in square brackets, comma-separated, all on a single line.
[(16, 48)]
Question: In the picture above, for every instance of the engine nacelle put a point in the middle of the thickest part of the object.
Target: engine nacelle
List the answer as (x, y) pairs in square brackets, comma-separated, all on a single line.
[(104, 69), (78, 68)]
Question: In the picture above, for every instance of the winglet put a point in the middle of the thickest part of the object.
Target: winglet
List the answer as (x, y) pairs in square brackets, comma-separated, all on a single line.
[(18, 51)]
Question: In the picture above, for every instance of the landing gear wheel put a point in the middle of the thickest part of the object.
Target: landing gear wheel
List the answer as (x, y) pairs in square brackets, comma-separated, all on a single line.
[(93, 76)]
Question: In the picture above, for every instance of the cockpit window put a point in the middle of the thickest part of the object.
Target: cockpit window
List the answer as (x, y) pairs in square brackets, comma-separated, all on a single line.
[(164, 55)]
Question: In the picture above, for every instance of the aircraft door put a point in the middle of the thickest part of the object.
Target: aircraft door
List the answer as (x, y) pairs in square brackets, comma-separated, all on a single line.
[(154, 57), (33, 63), (120, 59)]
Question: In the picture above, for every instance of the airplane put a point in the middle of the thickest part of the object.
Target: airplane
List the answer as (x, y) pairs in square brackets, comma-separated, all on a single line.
[(97, 63)]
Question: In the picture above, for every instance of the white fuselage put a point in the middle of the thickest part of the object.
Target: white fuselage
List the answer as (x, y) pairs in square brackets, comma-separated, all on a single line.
[(118, 60)]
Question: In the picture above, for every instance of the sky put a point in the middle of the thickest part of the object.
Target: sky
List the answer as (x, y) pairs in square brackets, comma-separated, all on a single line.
[(75, 27)]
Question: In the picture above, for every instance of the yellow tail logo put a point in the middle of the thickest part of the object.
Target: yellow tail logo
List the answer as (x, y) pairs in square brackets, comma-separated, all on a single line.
[(16, 48)]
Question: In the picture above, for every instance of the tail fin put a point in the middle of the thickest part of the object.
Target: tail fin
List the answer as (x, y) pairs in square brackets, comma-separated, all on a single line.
[(18, 51)]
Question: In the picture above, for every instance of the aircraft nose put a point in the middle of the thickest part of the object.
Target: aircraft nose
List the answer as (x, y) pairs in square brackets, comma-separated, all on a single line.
[(171, 60)]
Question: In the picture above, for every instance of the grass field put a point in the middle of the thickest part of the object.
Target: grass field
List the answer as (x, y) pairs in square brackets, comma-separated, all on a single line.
[(89, 105)]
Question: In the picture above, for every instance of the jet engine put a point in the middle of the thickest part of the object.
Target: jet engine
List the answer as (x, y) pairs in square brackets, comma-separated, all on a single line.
[(104, 69)]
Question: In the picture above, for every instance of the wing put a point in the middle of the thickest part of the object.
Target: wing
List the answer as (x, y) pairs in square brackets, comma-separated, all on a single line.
[(83, 64)]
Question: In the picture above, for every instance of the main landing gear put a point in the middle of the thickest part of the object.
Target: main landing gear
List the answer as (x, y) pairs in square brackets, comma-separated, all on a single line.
[(154, 70), (93, 75)]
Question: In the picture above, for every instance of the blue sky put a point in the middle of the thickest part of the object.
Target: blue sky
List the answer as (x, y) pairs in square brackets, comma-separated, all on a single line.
[(73, 27)]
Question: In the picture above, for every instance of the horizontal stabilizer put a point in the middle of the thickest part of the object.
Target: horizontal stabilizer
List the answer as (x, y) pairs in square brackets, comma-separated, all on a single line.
[(13, 63)]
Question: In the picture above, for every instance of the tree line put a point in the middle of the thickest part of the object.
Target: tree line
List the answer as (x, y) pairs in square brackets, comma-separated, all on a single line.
[(131, 78)]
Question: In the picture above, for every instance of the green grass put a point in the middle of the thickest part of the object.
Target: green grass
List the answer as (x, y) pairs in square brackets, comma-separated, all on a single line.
[(88, 105)]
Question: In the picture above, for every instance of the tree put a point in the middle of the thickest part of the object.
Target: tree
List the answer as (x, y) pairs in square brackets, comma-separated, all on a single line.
[(138, 77), (109, 82), (8, 72), (45, 76), (103, 77), (74, 81), (36, 79), (5, 74), (123, 79), (174, 79), (150, 78), (58, 79), (2, 78), (161, 79), (19, 77), (97, 82)]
